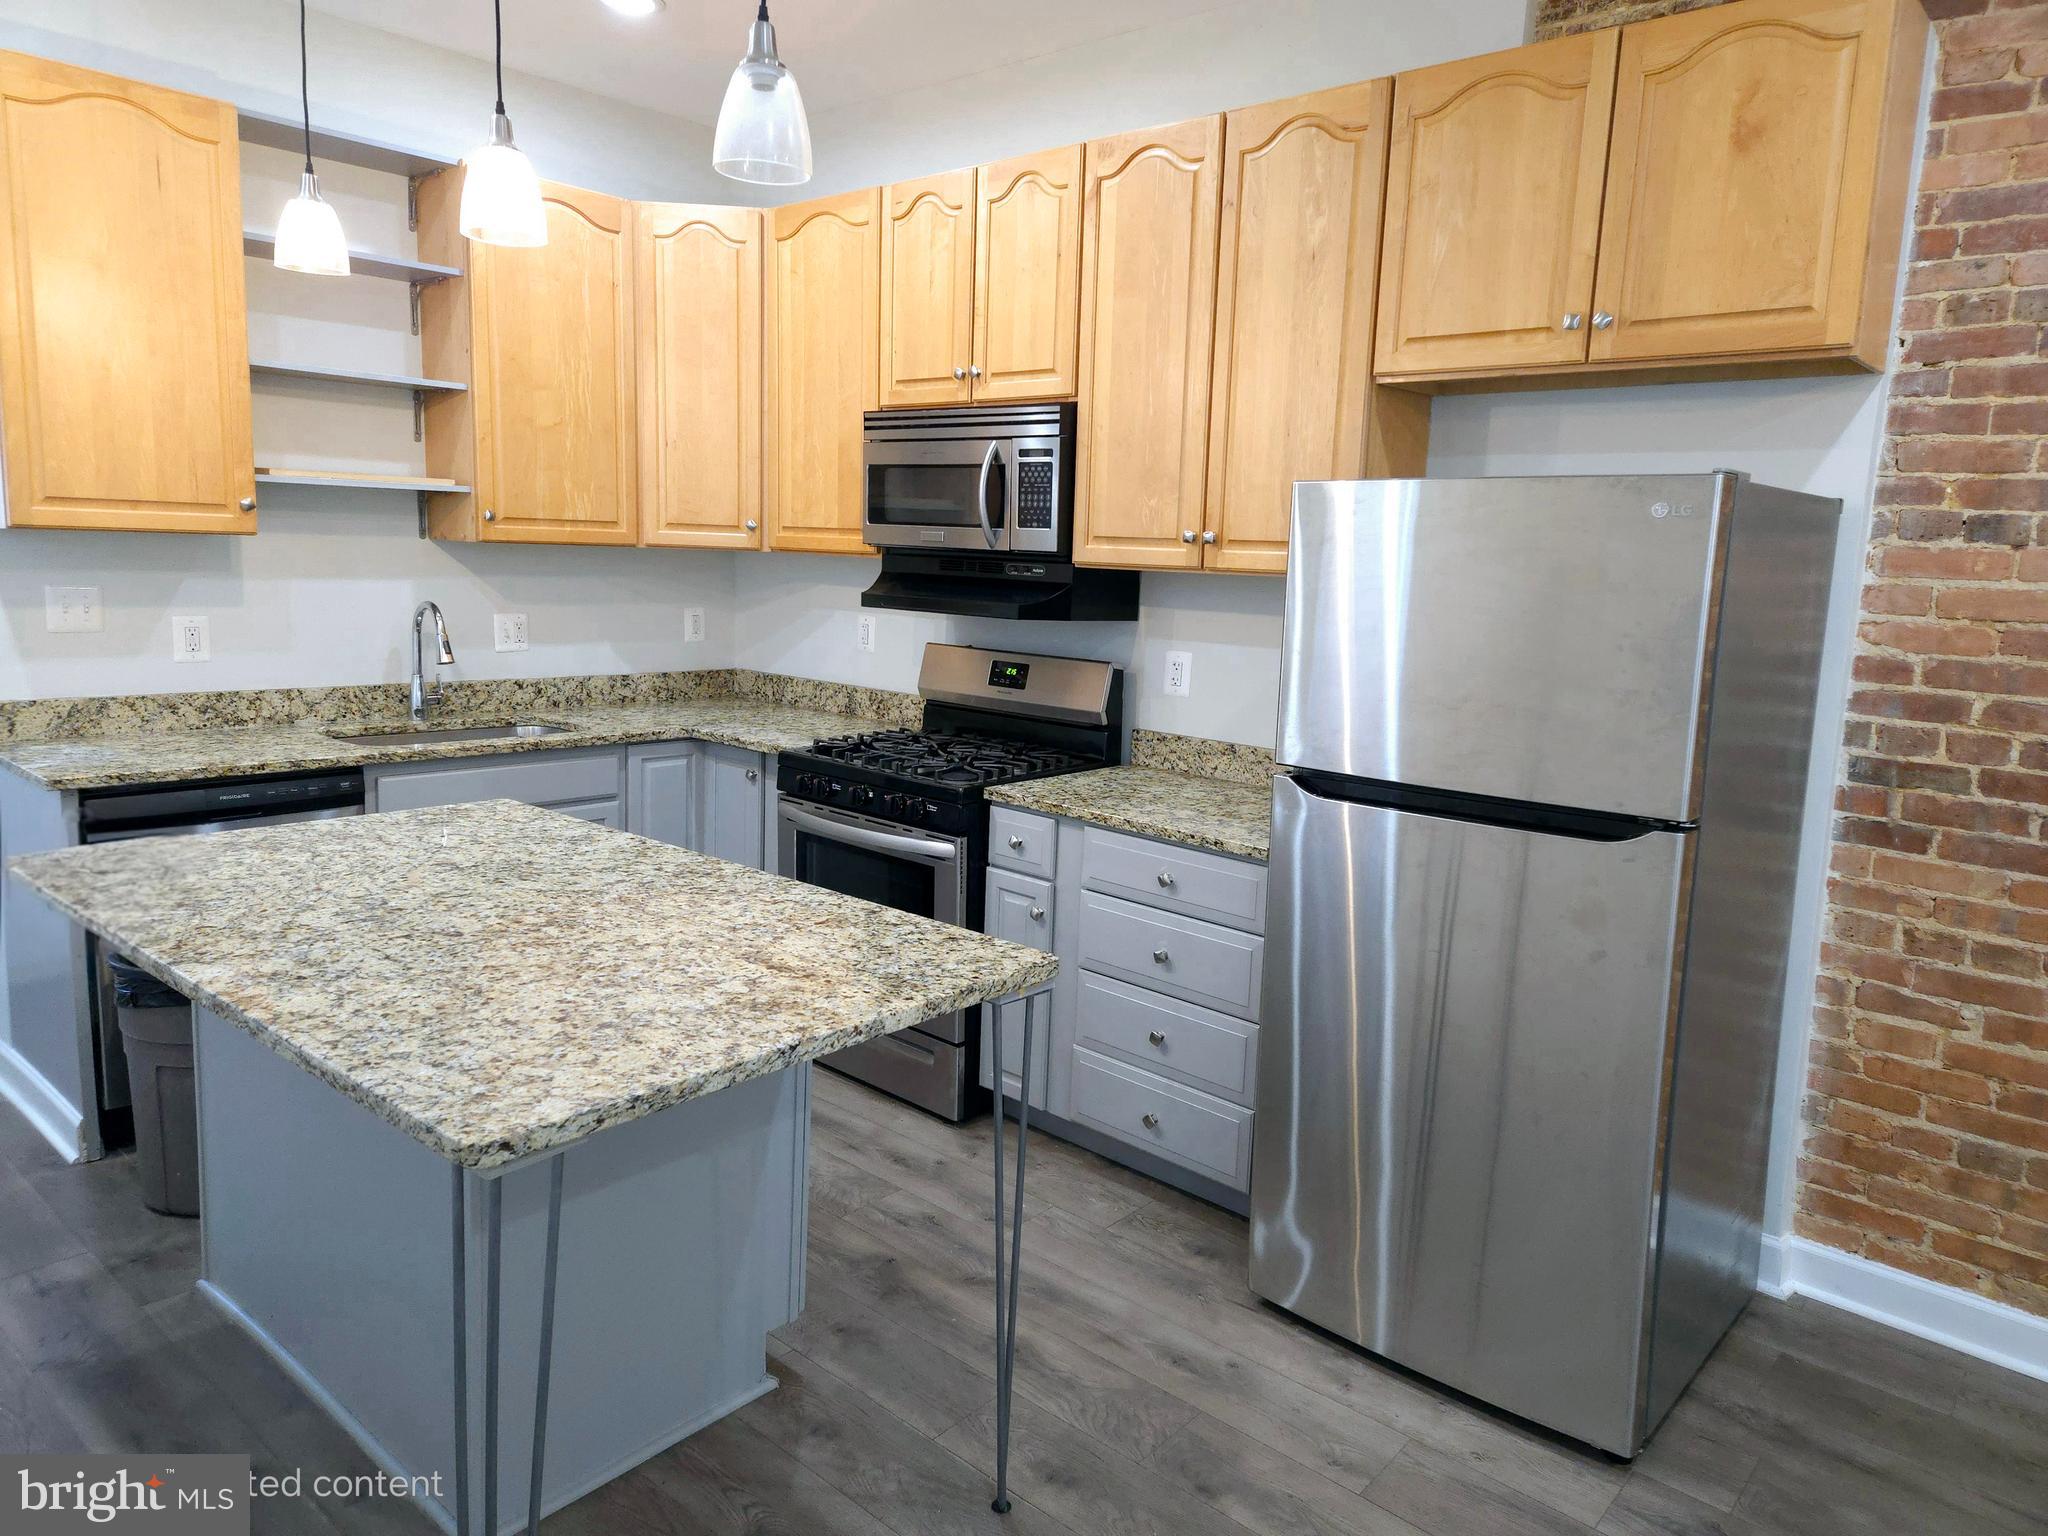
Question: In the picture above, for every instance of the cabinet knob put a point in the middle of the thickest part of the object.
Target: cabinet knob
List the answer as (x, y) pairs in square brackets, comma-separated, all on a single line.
[(1602, 319), (1159, 956), (973, 372), (1208, 536), (1187, 535), (959, 373), (1165, 881), (1151, 1122), (1574, 320), (247, 503), (1038, 914), (753, 775), (752, 524), (1157, 1037), (1016, 841), (490, 516)]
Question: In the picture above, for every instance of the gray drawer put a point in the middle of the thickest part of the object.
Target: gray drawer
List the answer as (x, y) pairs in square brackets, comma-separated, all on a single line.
[(1145, 1110), (1019, 908), (1021, 840), (1210, 885), (1191, 1044), (1218, 967), (538, 778)]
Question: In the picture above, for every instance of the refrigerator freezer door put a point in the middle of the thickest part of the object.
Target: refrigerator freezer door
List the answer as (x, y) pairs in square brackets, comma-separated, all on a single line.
[(1531, 639), (1460, 1069)]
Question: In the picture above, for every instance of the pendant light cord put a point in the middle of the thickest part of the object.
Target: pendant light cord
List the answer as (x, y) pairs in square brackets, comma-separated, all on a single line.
[(305, 91), (498, 29)]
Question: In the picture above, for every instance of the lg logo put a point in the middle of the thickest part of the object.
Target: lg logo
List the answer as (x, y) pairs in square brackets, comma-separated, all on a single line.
[(1663, 509)]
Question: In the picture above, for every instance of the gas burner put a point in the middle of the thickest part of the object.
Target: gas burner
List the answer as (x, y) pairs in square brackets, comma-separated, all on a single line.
[(957, 760)]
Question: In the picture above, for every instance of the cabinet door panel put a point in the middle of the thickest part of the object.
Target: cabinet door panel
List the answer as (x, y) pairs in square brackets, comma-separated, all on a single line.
[(733, 786), (1148, 298), (827, 284), (1027, 276), (1771, 107), (662, 792), (124, 353), (928, 291), (1494, 174), (1293, 390), (553, 385), (698, 276)]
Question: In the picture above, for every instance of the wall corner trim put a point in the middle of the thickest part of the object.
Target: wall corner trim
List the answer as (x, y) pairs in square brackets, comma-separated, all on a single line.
[(1989, 1330)]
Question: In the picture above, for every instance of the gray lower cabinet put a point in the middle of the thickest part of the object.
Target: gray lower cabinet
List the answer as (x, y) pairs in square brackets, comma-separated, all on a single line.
[(591, 783), (1154, 1052), (735, 794), (662, 780), (1019, 908)]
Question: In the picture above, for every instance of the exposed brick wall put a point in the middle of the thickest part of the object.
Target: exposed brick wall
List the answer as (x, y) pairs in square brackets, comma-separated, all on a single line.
[(1927, 1110), (1927, 1144)]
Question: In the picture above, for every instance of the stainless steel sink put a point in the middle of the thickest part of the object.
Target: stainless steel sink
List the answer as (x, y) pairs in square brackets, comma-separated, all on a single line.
[(429, 735)]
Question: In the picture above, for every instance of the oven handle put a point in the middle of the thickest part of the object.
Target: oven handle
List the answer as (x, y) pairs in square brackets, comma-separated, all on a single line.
[(988, 462), (867, 837)]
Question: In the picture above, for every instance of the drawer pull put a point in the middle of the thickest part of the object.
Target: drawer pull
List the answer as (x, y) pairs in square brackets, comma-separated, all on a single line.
[(1165, 881), (1038, 914), (1159, 956), (1016, 841), (1157, 1037), (1151, 1122)]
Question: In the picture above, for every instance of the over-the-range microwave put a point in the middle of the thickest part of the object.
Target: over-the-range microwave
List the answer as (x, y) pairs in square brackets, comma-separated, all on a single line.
[(973, 510)]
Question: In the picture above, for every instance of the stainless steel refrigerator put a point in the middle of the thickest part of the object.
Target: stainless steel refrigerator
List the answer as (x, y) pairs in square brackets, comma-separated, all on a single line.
[(1543, 748)]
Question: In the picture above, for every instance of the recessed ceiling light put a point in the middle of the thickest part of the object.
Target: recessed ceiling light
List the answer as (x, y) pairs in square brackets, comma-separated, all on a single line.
[(636, 7)]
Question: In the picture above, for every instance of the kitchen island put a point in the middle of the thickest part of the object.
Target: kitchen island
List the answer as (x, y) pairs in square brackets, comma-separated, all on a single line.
[(403, 1023)]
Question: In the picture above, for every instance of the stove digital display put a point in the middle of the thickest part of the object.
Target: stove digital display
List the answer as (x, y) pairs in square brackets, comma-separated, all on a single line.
[(1008, 674)]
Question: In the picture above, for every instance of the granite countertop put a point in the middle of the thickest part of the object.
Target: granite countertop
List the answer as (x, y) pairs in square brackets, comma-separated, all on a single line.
[(1222, 815), (170, 756), (497, 980)]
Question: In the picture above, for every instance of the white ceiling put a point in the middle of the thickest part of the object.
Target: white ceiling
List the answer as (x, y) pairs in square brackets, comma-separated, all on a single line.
[(841, 51)]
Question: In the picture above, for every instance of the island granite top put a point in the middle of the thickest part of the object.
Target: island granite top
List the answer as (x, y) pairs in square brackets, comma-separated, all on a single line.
[(172, 756), (498, 981), (1221, 815)]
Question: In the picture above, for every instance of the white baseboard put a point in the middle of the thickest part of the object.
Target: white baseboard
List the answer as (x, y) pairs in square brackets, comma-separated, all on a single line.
[(1990, 1330), (55, 1118)]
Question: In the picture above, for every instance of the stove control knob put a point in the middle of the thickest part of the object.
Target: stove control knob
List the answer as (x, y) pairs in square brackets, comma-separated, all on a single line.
[(862, 796)]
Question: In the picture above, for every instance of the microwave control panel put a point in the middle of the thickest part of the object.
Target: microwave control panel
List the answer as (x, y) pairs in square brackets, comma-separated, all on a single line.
[(1035, 490)]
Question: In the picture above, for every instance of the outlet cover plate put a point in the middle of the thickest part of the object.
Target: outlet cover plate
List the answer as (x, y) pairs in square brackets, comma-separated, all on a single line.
[(1180, 673), (191, 638), (509, 631), (72, 611), (864, 632), (693, 625)]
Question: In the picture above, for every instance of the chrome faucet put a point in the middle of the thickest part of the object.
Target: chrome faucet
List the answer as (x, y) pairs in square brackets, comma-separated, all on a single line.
[(422, 694)]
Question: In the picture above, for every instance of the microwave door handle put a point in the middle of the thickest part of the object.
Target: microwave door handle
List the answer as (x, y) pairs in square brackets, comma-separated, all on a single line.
[(988, 462)]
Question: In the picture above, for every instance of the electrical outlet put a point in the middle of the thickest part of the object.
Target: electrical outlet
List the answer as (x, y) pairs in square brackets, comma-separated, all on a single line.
[(72, 610), (693, 625), (864, 634), (191, 639), (1180, 668), (509, 630)]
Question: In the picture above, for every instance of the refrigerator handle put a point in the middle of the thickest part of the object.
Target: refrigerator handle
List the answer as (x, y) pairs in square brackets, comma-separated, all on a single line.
[(1486, 810)]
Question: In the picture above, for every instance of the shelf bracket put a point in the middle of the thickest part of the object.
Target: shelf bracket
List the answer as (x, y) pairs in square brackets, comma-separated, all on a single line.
[(419, 415), (414, 289), (421, 498), (412, 203)]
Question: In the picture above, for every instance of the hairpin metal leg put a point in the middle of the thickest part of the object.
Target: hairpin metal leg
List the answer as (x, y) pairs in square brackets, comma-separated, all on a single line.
[(547, 1342), (1006, 1282), (461, 1267)]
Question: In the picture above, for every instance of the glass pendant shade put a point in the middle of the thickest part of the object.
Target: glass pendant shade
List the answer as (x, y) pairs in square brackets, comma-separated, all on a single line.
[(501, 203), (309, 237), (762, 134)]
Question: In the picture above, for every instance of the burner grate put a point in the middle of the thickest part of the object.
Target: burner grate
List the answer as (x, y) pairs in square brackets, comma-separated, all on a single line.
[(956, 759)]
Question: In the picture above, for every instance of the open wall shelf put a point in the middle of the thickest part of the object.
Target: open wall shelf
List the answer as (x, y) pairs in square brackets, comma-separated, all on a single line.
[(363, 263), (352, 480), (264, 370), (348, 149)]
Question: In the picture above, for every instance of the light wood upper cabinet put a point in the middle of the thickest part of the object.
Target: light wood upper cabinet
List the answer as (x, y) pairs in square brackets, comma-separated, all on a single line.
[(124, 353), (547, 433), (1745, 212), (1148, 297), (1493, 208), (1293, 397), (927, 336), (697, 274), (826, 282), (1027, 276)]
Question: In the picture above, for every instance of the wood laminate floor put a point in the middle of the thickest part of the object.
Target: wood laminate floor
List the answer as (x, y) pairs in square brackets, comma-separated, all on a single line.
[(1155, 1395)]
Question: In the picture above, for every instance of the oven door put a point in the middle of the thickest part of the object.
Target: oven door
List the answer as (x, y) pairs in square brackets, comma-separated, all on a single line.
[(931, 1065), (936, 493)]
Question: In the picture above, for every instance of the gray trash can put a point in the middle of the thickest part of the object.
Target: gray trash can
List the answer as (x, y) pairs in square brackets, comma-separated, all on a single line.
[(156, 1029)]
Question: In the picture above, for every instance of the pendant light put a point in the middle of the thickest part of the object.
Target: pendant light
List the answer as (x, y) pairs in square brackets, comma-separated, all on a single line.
[(762, 135), (500, 194), (309, 237)]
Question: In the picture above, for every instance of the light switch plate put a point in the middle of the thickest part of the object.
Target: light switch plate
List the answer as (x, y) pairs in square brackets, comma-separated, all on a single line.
[(864, 633), (693, 625), (72, 611), (1180, 673), (191, 638), (509, 630)]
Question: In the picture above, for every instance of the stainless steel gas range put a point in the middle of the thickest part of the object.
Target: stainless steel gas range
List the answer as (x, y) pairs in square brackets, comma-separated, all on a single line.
[(899, 818)]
